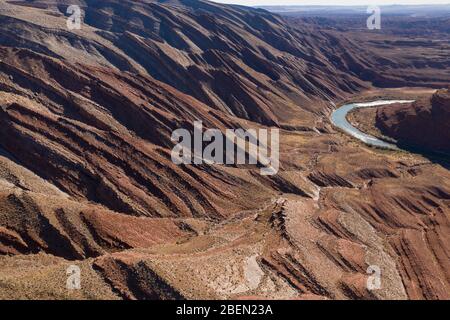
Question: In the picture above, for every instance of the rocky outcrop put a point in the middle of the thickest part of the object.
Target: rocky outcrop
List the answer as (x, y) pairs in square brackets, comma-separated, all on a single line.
[(86, 177)]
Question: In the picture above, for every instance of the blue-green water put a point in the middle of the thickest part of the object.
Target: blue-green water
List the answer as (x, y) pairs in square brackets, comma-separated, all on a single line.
[(339, 119)]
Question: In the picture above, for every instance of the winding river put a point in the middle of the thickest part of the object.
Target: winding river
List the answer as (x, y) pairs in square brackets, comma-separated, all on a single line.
[(339, 119)]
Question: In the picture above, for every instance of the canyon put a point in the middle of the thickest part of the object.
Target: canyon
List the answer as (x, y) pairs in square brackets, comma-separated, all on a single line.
[(86, 176), (423, 124)]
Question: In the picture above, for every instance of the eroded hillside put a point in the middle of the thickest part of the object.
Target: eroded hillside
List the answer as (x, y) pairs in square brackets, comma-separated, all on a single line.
[(86, 176)]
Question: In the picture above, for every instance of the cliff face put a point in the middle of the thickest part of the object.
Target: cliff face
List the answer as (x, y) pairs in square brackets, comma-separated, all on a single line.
[(424, 124)]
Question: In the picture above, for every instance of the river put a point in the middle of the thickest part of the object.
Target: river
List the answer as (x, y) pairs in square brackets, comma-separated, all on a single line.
[(339, 119)]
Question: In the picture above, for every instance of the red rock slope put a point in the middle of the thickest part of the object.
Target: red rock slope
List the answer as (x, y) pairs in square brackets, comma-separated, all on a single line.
[(424, 124), (86, 176)]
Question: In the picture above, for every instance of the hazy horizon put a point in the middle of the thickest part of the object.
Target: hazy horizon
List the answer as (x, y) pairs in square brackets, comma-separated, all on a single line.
[(331, 3)]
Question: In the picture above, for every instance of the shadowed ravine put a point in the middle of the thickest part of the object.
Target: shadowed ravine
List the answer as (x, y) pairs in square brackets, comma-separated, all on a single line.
[(86, 176)]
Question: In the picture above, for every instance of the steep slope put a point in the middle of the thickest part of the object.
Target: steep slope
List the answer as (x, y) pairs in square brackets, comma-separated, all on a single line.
[(103, 136), (243, 61), (425, 124), (86, 177)]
